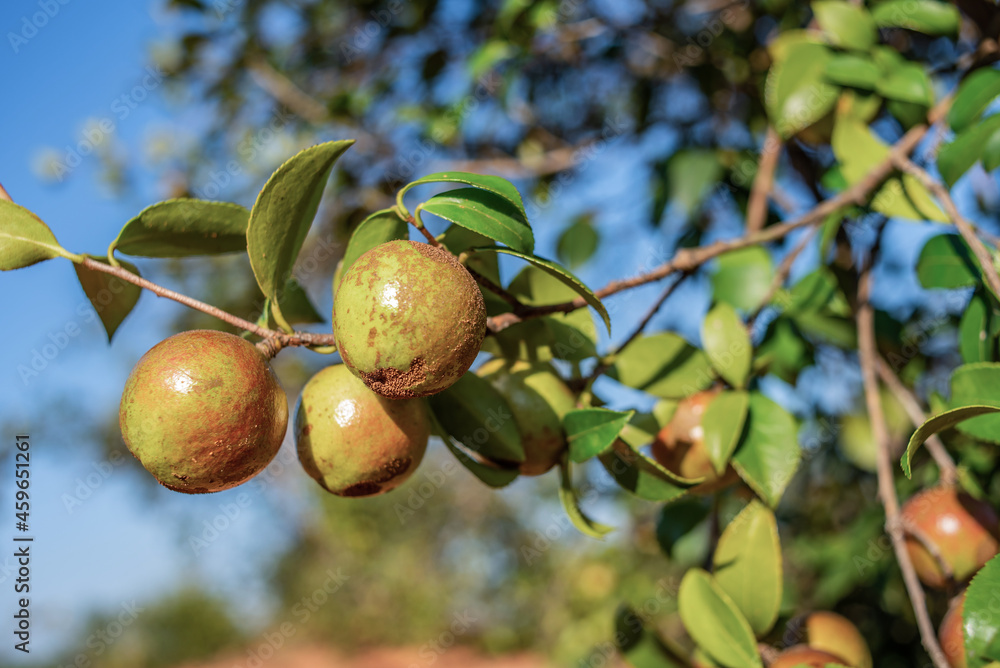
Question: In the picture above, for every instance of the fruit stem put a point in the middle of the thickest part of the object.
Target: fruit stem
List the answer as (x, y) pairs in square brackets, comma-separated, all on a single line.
[(416, 221), (273, 341)]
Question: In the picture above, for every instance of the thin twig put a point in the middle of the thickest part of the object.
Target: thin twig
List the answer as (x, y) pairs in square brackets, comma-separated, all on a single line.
[(496, 289), (868, 355), (781, 275), (275, 340), (689, 259), (908, 401), (282, 89), (965, 228), (763, 182)]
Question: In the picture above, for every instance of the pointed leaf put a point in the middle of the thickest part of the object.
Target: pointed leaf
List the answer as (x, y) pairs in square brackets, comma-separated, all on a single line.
[(955, 158), (284, 211), (24, 238), (577, 243), (908, 83), (494, 184), (642, 476), (111, 297), (591, 431), (184, 227), (743, 277), (796, 93), (927, 16), (974, 94), (978, 385), (845, 24), (723, 423), (848, 69), (715, 623), (475, 414), (483, 212), (378, 228), (747, 566), (939, 423), (664, 365), (562, 274), (491, 476), (946, 262), (769, 453), (727, 344), (979, 616), (567, 496)]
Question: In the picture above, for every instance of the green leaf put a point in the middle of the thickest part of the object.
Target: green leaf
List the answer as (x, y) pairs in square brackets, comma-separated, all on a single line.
[(991, 152), (975, 93), (743, 277), (727, 344), (489, 475), (848, 69), (691, 174), (979, 616), (946, 262), (939, 423), (111, 297), (927, 16), (974, 340), (567, 496), (664, 365), (642, 476), (577, 243), (676, 520), (769, 452), (284, 211), (845, 24), (475, 414), (955, 158), (295, 306), (492, 184), (24, 239), (858, 150), (483, 212), (784, 350), (723, 423), (978, 385), (562, 274), (379, 228), (591, 431), (796, 93), (908, 83), (747, 566), (715, 623), (184, 227), (638, 644)]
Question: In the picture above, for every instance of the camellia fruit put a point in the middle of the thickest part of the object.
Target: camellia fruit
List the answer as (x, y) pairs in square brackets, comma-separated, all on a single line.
[(830, 632), (202, 411), (680, 445), (354, 442), (963, 530), (409, 319), (803, 655), (538, 400), (950, 633)]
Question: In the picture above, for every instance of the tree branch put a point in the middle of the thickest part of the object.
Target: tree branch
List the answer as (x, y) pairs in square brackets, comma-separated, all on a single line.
[(763, 182), (283, 90), (917, 416), (965, 228), (273, 340), (868, 355)]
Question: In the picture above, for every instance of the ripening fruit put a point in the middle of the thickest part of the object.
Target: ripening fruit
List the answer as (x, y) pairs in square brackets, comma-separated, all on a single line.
[(202, 411), (830, 632), (409, 319), (803, 655), (354, 442), (964, 530), (538, 400), (680, 445), (950, 634)]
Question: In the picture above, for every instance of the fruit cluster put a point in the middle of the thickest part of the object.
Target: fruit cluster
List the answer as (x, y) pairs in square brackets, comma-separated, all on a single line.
[(203, 411)]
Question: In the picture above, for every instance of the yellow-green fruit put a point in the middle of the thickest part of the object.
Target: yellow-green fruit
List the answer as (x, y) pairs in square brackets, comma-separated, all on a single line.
[(202, 411), (409, 319), (538, 401), (830, 632), (800, 656), (354, 442)]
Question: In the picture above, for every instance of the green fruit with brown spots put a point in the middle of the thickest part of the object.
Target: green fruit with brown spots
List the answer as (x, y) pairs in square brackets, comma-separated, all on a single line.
[(538, 400), (203, 412), (409, 319), (354, 442)]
